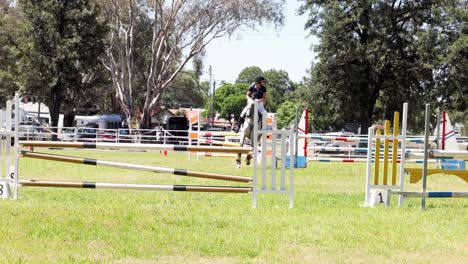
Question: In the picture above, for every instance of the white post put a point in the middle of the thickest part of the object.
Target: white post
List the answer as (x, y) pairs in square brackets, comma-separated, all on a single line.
[(8, 139), (189, 135), (1, 144), (426, 152), (198, 132), (284, 151), (16, 149), (254, 148), (403, 151), (370, 136), (292, 135), (273, 156), (264, 150)]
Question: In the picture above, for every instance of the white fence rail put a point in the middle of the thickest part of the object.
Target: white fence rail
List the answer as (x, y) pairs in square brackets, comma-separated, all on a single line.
[(87, 134)]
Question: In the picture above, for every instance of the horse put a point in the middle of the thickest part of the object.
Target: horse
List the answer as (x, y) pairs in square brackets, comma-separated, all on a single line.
[(246, 126)]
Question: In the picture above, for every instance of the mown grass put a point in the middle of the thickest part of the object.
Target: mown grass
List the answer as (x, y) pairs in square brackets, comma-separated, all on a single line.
[(326, 225)]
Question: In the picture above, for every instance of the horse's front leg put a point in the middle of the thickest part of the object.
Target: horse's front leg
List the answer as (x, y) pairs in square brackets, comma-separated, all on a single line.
[(238, 160), (258, 143)]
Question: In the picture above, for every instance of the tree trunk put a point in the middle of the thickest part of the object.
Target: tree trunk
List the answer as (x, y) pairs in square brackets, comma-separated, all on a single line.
[(145, 122), (54, 110), (367, 113), (68, 118)]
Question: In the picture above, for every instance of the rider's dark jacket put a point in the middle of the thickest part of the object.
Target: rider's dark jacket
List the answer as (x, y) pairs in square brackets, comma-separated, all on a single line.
[(257, 93)]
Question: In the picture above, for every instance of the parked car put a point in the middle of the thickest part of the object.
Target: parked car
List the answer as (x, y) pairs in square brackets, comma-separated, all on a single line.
[(340, 143), (67, 134), (108, 135), (87, 134), (124, 136)]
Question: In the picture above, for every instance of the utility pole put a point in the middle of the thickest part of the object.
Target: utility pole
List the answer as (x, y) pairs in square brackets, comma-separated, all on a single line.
[(213, 103), (212, 99)]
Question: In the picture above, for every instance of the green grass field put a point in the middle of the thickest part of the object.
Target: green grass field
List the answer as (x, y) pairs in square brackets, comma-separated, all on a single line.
[(326, 225)]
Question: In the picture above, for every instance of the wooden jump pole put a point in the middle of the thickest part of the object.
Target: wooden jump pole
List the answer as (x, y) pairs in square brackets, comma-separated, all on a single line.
[(180, 172), (129, 186), (131, 146)]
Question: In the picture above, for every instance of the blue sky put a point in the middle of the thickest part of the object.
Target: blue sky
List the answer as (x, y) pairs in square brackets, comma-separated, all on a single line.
[(288, 48)]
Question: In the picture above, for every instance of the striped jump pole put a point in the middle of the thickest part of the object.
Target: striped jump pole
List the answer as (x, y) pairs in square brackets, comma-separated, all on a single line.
[(433, 194), (218, 142), (424, 195), (128, 186), (373, 160), (448, 154), (131, 146), (179, 172), (357, 150), (361, 150), (219, 134), (334, 138), (209, 154), (354, 139)]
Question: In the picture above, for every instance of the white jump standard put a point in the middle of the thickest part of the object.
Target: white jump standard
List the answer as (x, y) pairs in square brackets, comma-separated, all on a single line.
[(423, 194), (381, 192)]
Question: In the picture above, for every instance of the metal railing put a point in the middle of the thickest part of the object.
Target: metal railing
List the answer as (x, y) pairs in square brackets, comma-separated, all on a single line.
[(87, 134)]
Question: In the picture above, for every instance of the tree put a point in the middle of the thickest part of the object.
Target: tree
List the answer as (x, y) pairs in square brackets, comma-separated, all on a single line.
[(94, 96), (230, 100), (60, 44), (279, 87), (455, 71), (186, 91), (375, 55), (180, 31), (247, 75), (286, 115), (10, 19)]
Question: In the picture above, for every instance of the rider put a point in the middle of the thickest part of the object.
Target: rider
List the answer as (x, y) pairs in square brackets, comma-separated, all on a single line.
[(257, 92)]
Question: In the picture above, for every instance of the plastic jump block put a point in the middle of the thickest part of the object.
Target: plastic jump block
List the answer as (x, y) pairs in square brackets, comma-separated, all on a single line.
[(416, 174)]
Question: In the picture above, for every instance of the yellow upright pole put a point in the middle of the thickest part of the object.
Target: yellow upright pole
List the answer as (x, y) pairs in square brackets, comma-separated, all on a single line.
[(396, 124), (376, 158), (386, 150)]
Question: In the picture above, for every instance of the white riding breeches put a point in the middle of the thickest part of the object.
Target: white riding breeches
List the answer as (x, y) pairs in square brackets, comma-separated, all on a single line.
[(261, 108)]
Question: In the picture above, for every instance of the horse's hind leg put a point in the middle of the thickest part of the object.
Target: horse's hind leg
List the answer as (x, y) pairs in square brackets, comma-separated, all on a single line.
[(238, 160), (248, 158)]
